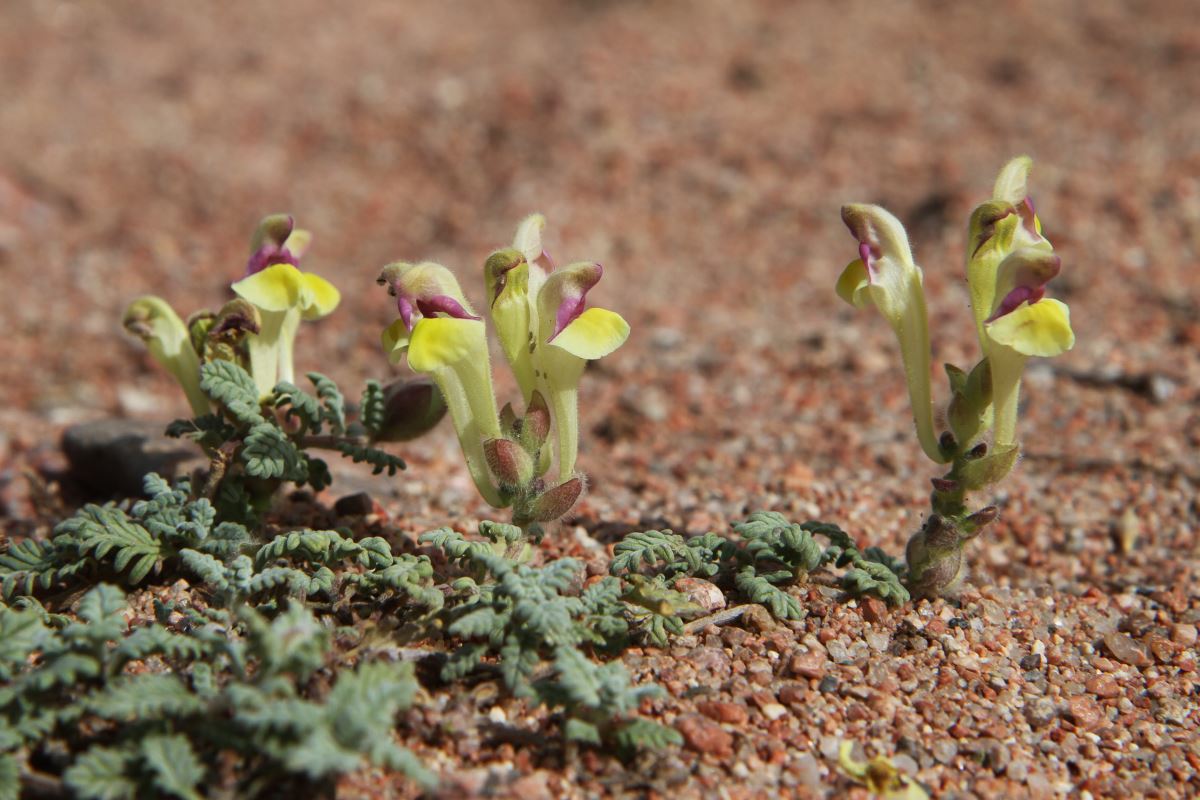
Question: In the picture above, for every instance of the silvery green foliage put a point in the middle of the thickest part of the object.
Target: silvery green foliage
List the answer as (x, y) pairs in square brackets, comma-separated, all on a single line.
[(237, 687), (773, 554), (527, 616), (111, 542), (269, 440), (171, 534)]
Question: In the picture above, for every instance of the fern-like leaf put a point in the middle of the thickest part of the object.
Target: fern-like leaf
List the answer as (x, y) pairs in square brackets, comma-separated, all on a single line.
[(231, 386), (100, 774), (300, 406), (371, 408), (758, 590), (379, 460), (173, 763), (334, 411), (268, 453)]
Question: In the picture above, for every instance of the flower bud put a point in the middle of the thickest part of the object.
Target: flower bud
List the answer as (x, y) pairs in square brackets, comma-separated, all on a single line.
[(535, 427), (509, 462), (556, 502), (944, 485), (411, 408), (981, 519), (508, 419)]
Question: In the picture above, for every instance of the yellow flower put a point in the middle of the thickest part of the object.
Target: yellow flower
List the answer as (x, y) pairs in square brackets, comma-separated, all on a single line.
[(546, 330), (283, 295), (1009, 263), (1023, 323), (885, 275), (444, 339), (166, 337)]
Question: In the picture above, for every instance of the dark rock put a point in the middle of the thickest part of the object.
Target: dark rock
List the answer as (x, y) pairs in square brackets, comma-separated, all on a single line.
[(112, 456), (358, 504)]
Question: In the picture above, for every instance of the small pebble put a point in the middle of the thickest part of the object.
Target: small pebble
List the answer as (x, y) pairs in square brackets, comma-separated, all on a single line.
[(944, 750), (1126, 650), (809, 665), (705, 736)]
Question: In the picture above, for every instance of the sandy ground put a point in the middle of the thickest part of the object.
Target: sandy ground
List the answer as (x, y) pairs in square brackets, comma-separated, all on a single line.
[(700, 151)]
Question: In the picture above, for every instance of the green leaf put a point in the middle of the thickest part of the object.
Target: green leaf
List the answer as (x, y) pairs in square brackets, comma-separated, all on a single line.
[(463, 661), (576, 730), (331, 397), (378, 459), (758, 590), (100, 774), (230, 385), (577, 676), (268, 453), (102, 606), (174, 764), (645, 547), (371, 408), (10, 777), (300, 405), (148, 696), (26, 565), (644, 734)]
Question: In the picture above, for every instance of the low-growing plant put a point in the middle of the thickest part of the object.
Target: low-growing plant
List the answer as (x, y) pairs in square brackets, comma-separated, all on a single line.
[(527, 617), (236, 367), (547, 334), (236, 713), (771, 555), (1009, 263)]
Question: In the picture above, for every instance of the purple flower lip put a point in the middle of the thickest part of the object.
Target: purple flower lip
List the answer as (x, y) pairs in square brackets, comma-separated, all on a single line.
[(269, 255), (868, 254), (573, 305), (428, 306), (1032, 270), (1013, 300)]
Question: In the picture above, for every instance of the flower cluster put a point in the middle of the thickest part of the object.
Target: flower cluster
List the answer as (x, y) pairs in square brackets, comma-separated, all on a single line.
[(1009, 263), (547, 334), (256, 331)]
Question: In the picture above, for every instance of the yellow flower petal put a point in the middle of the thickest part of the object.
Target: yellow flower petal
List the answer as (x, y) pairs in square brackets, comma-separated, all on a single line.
[(1042, 329), (318, 296), (395, 339), (276, 288), (439, 342), (853, 283), (593, 334)]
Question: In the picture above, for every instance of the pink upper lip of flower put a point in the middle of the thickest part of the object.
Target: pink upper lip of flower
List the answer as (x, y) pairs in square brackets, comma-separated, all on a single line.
[(269, 255), (428, 306), (868, 256), (1030, 283), (574, 303)]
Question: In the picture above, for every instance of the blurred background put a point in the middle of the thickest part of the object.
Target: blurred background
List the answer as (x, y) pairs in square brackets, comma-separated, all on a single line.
[(700, 150)]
